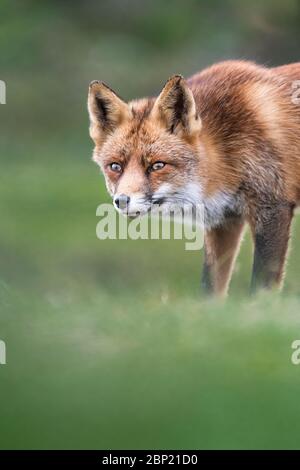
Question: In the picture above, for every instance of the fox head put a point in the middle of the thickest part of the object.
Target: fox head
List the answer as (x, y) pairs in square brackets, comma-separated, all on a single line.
[(148, 149)]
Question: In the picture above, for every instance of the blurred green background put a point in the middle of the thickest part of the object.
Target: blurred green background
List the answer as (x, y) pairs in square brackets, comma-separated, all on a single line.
[(109, 343)]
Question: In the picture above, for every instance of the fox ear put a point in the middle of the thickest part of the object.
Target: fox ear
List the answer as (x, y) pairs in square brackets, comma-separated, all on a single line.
[(175, 108), (106, 110)]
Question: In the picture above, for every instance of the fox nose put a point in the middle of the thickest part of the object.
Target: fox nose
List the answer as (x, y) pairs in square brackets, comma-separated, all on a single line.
[(122, 201)]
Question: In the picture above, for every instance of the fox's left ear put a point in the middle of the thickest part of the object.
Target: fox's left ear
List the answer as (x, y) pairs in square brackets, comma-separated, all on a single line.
[(175, 108), (106, 110)]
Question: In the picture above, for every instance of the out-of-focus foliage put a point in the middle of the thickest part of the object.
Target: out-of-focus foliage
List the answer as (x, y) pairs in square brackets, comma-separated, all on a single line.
[(51, 50)]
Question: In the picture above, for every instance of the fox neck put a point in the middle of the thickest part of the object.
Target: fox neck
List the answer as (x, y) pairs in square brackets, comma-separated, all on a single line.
[(219, 190)]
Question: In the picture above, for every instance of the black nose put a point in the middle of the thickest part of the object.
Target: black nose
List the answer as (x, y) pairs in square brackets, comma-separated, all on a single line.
[(122, 201)]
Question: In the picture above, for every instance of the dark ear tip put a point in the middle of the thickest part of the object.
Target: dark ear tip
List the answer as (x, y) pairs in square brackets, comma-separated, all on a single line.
[(176, 78), (179, 76), (93, 82), (98, 83)]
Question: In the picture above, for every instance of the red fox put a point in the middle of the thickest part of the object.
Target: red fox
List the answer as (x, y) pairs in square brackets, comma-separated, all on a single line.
[(228, 138)]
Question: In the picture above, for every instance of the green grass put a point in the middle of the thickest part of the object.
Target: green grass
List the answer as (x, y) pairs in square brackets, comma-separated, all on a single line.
[(109, 343)]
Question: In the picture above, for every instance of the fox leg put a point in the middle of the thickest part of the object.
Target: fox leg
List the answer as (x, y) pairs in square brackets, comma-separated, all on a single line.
[(221, 246), (271, 232)]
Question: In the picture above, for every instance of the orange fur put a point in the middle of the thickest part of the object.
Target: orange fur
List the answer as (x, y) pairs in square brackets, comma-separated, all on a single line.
[(233, 129)]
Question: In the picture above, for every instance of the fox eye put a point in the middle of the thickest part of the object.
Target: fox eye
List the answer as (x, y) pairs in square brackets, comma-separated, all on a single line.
[(116, 167), (157, 166)]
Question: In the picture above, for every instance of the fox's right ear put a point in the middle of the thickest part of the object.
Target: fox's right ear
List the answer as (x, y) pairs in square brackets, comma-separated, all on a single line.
[(106, 110)]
